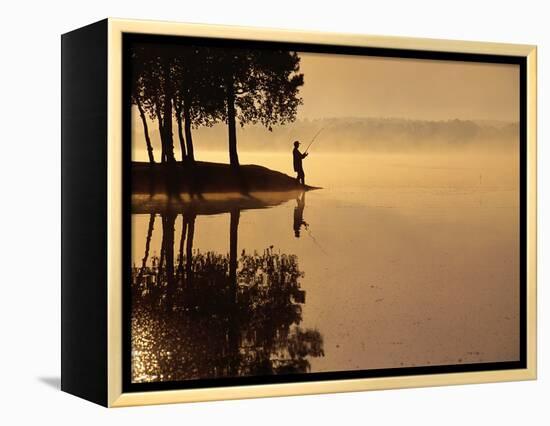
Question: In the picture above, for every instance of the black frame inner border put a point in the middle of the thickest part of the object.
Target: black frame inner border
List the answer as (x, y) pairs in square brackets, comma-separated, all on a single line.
[(130, 38)]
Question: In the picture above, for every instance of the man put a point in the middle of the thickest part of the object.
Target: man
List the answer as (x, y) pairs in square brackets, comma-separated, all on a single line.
[(298, 168)]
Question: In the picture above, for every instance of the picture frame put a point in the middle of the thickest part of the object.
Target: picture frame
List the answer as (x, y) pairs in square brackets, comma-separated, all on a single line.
[(99, 181)]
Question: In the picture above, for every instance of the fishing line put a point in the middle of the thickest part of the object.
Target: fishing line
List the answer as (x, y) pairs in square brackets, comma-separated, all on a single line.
[(316, 242), (314, 137)]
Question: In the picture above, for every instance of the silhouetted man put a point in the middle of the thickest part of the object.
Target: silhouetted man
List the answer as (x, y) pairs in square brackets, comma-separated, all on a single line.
[(298, 168), (299, 215)]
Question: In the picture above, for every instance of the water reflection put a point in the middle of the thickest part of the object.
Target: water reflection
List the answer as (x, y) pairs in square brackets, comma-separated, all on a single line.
[(299, 215), (211, 203), (399, 258), (208, 314)]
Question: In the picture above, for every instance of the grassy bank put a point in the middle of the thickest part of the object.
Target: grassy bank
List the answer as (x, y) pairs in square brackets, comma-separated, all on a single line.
[(204, 177)]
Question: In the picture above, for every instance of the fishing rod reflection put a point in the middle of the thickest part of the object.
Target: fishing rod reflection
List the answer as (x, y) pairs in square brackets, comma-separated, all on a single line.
[(206, 314), (299, 222)]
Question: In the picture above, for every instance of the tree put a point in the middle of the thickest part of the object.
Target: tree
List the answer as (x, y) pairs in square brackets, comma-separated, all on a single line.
[(152, 92), (200, 85), (259, 86), (198, 99), (139, 65), (163, 101)]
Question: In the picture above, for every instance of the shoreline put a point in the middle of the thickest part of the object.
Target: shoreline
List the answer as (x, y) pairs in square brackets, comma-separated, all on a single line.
[(203, 177)]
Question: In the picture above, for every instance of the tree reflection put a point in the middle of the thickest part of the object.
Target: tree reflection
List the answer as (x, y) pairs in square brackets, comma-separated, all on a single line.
[(208, 315)]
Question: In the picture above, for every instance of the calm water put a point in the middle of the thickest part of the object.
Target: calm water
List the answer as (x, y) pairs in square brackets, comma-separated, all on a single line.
[(399, 260)]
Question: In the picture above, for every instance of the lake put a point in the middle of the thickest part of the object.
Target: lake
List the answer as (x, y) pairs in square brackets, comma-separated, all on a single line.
[(399, 260)]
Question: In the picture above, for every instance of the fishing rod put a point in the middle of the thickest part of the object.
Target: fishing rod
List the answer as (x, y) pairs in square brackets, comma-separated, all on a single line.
[(314, 137)]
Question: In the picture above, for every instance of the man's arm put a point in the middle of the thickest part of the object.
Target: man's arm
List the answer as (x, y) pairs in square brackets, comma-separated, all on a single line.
[(304, 155)]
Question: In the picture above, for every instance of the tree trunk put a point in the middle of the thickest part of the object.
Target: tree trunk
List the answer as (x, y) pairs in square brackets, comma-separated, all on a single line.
[(168, 136), (233, 247), (230, 91), (161, 133), (147, 246), (189, 250), (180, 131), (182, 241), (188, 137), (167, 115), (168, 221), (232, 329), (146, 131), (161, 258)]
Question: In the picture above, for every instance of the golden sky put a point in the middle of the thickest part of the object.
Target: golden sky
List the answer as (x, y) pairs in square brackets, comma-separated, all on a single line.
[(366, 86)]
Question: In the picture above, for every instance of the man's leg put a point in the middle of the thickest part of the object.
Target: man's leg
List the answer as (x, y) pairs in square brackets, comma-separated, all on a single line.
[(301, 177)]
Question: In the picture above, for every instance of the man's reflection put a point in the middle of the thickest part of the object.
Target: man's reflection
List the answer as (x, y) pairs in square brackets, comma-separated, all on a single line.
[(299, 215)]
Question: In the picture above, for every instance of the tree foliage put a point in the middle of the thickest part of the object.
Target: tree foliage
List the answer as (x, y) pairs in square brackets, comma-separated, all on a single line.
[(201, 85)]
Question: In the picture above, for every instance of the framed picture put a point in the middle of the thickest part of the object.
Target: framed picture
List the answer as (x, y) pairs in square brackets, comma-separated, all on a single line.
[(254, 212)]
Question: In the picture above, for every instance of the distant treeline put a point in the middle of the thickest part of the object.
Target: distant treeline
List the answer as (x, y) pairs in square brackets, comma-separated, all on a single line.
[(352, 134)]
